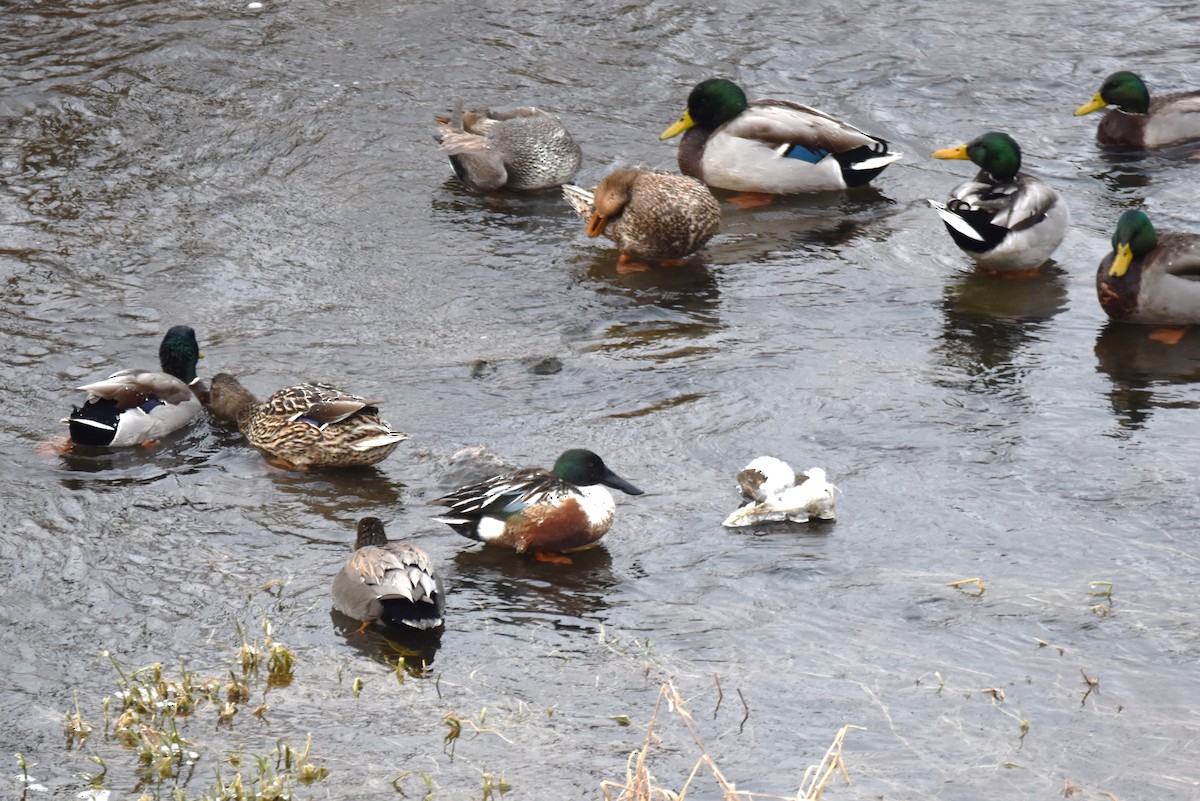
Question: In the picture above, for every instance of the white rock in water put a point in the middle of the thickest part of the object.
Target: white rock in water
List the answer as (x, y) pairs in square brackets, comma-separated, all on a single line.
[(254, 6)]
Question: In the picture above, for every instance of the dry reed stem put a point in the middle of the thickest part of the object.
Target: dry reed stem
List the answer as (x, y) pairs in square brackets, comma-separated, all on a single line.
[(639, 783)]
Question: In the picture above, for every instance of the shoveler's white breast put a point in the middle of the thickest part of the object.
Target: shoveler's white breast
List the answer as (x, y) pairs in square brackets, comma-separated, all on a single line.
[(598, 504)]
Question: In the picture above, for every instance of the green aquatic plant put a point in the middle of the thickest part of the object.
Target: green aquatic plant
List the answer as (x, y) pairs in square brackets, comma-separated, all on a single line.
[(151, 711)]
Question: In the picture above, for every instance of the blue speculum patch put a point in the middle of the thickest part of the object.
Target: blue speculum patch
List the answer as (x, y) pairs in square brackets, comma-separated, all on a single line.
[(802, 153), (150, 405)]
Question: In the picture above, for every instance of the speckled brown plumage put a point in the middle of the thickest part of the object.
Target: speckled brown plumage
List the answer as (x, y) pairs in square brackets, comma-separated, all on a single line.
[(306, 424), (649, 214)]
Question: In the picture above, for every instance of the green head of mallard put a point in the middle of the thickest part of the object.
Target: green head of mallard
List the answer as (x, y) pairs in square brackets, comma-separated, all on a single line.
[(179, 353), (711, 104), (996, 153), (1124, 90), (1134, 238), (584, 469)]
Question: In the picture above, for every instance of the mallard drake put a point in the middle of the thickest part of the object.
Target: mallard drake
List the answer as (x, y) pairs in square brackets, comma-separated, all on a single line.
[(1140, 121), (1148, 277), (306, 425), (524, 148), (773, 492), (138, 407), (650, 215), (547, 512), (772, 146), (1006, 220), (388, 582)]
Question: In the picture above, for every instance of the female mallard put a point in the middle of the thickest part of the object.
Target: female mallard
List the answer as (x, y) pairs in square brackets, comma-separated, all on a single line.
[(655, 216), (1006, 220), (524, 148), (138, 407), (544, 511), (306, 425), (1148, 277), (388, 582), (771, 146), (1140, 121)]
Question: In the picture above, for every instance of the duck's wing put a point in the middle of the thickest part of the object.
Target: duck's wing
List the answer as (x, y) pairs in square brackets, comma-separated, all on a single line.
[(130, 388), (777, 123)]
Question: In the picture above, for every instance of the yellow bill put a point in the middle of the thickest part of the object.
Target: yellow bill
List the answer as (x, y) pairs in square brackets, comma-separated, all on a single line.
[(679, 127), (1095, 104)]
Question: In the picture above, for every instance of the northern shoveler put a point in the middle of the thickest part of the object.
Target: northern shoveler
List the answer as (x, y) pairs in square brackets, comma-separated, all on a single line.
[(773, 492), (544, 511), (388, 582), (523, 148), (771, 146), (1140, 121), (138, 407), (307, 424), (1149, 277), (651, 215), (1006, 220)]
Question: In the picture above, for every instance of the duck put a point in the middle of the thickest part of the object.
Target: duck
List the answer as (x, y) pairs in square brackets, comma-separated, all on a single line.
[(388, 582), (1148, 277), (773, 492), (1138, 120), (1008, 221), (771, 146), (545, 512), (523, 148), (306, 425), (139, 407), (650, 215)]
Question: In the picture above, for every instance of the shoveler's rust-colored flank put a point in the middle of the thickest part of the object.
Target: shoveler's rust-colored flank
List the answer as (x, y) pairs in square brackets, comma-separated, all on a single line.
[(539, 511)]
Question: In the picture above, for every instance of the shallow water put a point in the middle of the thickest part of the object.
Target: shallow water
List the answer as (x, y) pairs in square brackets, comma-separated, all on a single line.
[(269, 177)]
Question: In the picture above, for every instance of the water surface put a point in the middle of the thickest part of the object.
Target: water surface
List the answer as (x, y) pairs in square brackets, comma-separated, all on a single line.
[(268, 176)]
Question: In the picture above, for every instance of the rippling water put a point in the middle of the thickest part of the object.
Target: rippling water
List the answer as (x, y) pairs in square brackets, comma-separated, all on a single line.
[(268, 176)]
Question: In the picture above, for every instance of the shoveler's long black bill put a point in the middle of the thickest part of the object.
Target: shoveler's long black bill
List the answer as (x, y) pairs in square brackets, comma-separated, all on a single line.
[(611, 479)]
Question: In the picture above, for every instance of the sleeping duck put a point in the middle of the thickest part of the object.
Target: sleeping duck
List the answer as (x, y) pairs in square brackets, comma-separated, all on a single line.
[(1140, 121), (523, 148), (1149, 277), (773, 492), (654, 216), (1006, 220), (139, 407), (771, 146)]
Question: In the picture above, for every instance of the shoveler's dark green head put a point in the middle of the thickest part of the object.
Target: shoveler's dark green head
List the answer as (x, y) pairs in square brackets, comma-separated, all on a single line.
[(996, 153), (1125, 90), (711, 104), (179, 353), (584, 468), (369, 532), (1133, 239)]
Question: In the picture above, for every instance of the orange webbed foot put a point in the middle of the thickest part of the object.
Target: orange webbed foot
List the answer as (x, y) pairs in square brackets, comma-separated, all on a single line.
[(1169, 336), (1014, 275), (55, 446), (627, 265), (363, 627), (751, 200), (552, 558)]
